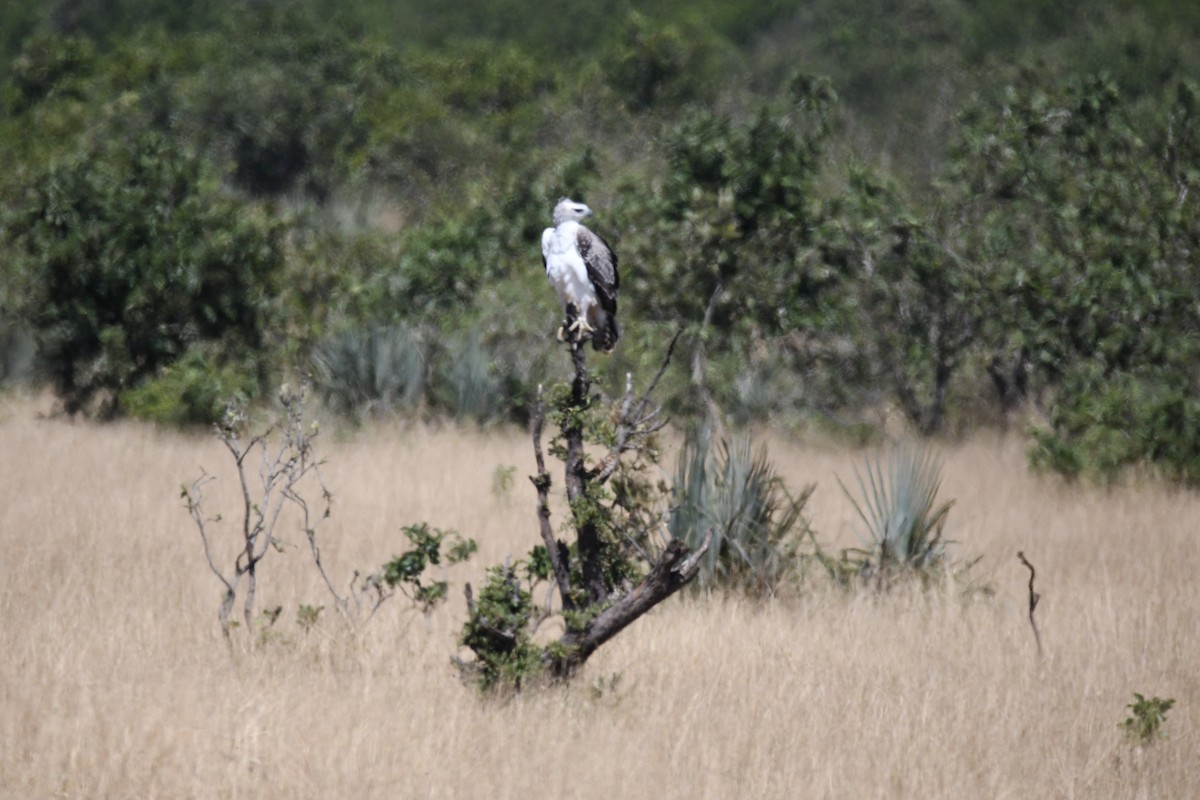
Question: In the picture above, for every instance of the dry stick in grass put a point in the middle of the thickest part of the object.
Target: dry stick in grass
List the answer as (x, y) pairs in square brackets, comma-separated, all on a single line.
[(1033, 601)]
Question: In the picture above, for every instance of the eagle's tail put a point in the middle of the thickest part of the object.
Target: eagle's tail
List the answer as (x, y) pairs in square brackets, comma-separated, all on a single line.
[(604, 339)]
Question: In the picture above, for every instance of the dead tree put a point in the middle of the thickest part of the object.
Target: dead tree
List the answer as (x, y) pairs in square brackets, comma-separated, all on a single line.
[(598, 597)]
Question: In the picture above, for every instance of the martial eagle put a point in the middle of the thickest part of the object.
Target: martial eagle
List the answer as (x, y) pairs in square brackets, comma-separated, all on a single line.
[(583, 270)]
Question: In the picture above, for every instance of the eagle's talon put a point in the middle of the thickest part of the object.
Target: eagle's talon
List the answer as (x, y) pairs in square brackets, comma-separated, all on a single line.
[(580, 326)]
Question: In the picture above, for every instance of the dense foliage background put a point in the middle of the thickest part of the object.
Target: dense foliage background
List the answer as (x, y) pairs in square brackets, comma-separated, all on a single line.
[(963, 211)]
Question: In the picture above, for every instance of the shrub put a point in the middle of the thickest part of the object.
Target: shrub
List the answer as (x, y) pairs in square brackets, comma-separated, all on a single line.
[(659, 64), (364, 371), (194, 390), (1083, 207), (1146, 718), (50, 65), (499, 632), (131, 256)]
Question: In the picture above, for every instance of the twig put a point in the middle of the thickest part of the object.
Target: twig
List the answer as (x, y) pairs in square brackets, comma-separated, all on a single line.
[(635, 423), (698, 356), (1034, 597)]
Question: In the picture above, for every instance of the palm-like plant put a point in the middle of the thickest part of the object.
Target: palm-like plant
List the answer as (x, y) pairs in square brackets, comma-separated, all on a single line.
[(371, 370), (897, 505), (735, 493)]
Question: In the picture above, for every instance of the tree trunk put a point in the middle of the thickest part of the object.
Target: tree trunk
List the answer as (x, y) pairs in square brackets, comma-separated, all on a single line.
[(674, 568), (672, 572), (588, 537)]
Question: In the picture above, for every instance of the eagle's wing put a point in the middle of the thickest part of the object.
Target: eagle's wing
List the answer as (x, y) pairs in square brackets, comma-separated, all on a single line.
[(546, 236), (601, 263)]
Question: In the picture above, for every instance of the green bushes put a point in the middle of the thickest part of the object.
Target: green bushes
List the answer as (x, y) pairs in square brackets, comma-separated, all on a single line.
[(1042, 261), (1083, 206), (194, 390), (654, 64), (129, 256)]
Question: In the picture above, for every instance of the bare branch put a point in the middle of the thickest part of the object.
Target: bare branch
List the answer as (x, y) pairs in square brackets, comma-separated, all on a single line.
[(634, 423), (562, 574), (1034, 597), (280, 468), (658, 375)]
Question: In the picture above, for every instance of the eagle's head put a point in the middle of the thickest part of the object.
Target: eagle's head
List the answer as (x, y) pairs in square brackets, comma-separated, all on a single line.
[(568, 210)]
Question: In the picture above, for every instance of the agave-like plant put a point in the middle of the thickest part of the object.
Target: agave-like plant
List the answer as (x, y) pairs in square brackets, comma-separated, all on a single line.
[(368, 370), (735, 493), (467, 387), (898, 507)]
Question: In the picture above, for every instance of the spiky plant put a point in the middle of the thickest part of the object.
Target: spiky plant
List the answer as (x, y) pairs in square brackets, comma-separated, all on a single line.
[(897, 505), (733, 491), (361, 371), (467, 387)]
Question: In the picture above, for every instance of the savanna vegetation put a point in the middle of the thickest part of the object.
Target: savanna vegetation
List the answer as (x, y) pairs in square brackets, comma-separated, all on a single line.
[(115, 680), (836, 223), (957, 211)]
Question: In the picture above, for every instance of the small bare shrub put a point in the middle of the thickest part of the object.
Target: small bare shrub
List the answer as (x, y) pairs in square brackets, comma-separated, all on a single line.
[(278, 468)]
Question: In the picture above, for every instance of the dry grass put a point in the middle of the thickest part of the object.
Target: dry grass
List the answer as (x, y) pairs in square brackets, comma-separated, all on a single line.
[(115, 682)]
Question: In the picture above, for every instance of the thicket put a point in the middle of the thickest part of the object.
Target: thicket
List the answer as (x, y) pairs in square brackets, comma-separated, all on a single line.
[(981, 212)]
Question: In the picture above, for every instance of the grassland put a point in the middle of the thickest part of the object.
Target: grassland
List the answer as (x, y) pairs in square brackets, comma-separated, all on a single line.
[(114, 681)]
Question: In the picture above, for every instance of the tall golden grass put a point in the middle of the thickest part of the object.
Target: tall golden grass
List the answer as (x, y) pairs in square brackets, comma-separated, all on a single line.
[(115, 681)]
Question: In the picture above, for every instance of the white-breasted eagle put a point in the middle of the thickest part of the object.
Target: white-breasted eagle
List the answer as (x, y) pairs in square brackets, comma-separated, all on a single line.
[(583, 270)]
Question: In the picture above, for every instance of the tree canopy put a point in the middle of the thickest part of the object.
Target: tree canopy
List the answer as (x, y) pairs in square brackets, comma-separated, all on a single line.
[(957, 210)]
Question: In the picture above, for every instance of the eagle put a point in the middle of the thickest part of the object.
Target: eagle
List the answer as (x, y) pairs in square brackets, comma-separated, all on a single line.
[(583, 270)]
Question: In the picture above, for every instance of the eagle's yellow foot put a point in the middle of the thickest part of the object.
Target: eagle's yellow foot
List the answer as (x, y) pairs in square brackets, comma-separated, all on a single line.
[(580, 325), (561, 335)]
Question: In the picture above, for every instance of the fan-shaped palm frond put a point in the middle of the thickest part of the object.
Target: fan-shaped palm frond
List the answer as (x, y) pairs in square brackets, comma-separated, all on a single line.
[(897, 504)]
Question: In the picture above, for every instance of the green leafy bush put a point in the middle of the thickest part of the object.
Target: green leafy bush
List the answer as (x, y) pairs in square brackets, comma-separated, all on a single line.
[(50, 65), (1105, 424), (284, 99), (499, 632), (1085, 211), (404, 572), (130, 256), (658, 64), (1146, 718), (193, 390)]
